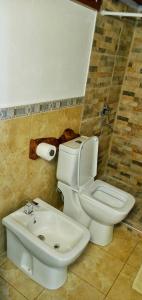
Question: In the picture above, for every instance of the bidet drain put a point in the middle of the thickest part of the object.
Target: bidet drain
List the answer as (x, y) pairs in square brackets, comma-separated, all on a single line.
[(56, 246), (41, 237)]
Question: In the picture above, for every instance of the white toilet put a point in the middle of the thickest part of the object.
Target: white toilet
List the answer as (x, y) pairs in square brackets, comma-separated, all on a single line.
[(95, 204), (42, 242)]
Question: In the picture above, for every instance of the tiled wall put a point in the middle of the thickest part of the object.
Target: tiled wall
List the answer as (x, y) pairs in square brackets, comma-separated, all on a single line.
[(125, 161), (110, 51), (22, 179)]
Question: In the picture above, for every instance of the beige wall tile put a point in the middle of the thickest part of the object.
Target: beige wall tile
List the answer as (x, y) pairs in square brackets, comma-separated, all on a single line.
[(55, 122), (15, 135), (22, 179)]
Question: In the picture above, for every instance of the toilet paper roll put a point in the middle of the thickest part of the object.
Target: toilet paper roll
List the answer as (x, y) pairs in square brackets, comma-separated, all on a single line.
[(46, 151)]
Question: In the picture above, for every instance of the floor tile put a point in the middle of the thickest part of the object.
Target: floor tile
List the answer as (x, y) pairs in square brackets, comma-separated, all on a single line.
[(98, 268), (19, 280), (7, 292), (73, 289), (122, 289), (135, 259), (124, 241)]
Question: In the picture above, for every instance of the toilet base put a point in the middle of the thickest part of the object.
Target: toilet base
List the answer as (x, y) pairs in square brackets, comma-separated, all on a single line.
[(47, 276), (100, 234)]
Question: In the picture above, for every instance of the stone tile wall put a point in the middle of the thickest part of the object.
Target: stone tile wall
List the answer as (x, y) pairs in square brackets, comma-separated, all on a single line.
[(112, 40), (125, 158)]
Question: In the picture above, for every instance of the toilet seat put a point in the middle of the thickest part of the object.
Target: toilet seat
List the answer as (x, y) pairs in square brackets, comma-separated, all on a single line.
[(99, 196), (105, 195)]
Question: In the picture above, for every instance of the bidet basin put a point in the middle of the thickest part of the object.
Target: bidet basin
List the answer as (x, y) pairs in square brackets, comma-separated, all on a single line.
[(46, 241), (50, 231)]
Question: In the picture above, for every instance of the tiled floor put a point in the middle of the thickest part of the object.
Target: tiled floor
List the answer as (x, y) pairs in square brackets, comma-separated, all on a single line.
[(100, 273)]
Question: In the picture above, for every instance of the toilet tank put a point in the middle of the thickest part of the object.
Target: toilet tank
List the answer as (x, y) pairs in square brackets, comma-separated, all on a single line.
[(67, 168)]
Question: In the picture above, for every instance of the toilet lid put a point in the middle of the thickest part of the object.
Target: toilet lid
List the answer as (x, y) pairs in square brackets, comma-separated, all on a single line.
[(87, 163)]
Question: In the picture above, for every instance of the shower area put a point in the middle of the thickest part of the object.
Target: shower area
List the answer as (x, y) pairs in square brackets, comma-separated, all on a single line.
[(113, 101)]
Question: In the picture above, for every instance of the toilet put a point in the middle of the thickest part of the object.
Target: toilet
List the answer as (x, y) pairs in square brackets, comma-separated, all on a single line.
[(42, 242), (94, 203)]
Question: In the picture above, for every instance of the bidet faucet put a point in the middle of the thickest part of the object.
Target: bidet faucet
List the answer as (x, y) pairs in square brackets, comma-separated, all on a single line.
[(28, 209)]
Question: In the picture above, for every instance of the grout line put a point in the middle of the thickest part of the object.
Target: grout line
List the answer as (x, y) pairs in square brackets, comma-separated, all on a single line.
[(9, 283), (115, 279), (36, 298), (82, 279), (13, 287), (125, 263), (131, 252), (108, 54)]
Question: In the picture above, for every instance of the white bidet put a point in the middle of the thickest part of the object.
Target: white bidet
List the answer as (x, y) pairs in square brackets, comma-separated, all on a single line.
[(43, 243)]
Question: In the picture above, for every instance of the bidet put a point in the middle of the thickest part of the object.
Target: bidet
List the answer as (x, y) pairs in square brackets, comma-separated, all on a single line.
[(44, 243)]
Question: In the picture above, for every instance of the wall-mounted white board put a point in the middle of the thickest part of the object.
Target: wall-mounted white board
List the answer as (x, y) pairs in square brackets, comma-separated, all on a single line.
[(45, 49)]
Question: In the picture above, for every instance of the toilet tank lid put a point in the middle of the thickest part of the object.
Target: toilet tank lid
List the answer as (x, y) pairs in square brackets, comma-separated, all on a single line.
[(73, 146)]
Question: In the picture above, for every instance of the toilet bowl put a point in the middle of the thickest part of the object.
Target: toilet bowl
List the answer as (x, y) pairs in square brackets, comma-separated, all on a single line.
[(106, 205), (43, 243), (95, 204)]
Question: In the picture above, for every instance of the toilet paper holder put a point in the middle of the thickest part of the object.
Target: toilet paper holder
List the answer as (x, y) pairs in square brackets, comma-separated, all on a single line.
[(67, 135)]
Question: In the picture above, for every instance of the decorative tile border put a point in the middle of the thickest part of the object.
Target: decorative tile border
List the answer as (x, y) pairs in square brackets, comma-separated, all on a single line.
[(27, 110)]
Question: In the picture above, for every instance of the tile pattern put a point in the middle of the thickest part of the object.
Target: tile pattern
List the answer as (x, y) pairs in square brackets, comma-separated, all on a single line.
[(19, 280), (112, 40), (94, 262), (115, 78), (100, 273), (74, 289), (27, 110), (125, 157), (123, 286)]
